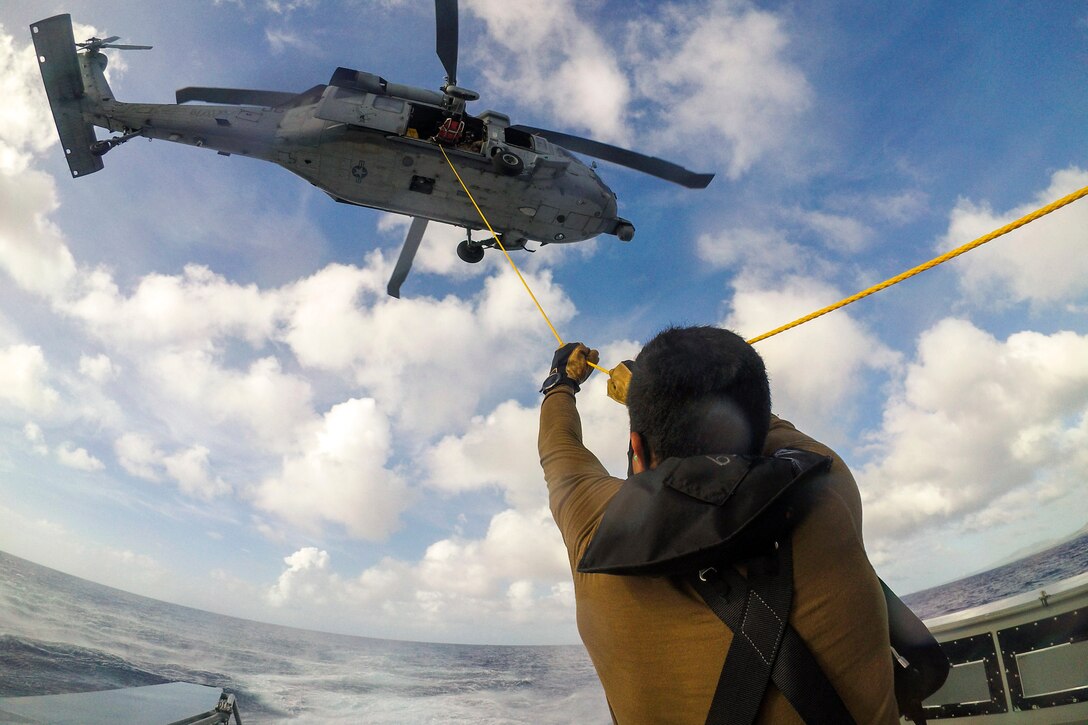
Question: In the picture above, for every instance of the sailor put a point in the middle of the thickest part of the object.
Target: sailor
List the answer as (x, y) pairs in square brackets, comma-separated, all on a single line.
[(698, 393)]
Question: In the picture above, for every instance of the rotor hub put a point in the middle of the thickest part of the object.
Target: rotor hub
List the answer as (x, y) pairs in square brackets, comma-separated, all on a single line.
[(461, 94)]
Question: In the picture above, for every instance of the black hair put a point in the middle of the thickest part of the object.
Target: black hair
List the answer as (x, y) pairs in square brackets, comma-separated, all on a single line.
[(686, 381)]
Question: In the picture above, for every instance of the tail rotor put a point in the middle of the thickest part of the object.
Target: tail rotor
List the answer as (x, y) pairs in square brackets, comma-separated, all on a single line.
[(93, 45)]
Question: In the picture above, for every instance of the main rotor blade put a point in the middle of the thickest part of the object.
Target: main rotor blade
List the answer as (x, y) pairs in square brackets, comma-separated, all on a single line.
[(407, 255), (624, 157), (445, 43), (127, 47)]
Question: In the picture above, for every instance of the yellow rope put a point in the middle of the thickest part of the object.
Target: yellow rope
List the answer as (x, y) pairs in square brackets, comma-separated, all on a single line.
[(508, 257), (1054, 206), (1012, 226), (499, 242)]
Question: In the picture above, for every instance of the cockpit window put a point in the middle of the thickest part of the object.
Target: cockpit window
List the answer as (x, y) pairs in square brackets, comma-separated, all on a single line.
[(385, 103)]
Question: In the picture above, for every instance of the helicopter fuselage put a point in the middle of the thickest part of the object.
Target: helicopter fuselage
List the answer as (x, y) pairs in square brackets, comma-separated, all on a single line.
[(379, 151), (364, 141)]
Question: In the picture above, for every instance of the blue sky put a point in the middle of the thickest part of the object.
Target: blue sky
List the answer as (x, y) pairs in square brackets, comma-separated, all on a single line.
[(206, 396)]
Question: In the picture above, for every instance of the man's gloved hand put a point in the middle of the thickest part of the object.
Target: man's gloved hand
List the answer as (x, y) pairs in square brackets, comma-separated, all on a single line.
[(570, 366), (619, 380)]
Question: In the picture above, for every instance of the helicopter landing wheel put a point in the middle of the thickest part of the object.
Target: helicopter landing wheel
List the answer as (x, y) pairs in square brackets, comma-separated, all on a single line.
[(507, 162), (471, 253)]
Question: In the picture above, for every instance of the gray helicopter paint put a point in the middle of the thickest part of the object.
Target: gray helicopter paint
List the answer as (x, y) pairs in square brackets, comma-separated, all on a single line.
[(367, 110), (354, 149)]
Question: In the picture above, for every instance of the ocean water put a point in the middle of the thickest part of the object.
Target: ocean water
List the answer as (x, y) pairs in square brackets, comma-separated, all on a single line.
[(59, 634), (1023, 575)]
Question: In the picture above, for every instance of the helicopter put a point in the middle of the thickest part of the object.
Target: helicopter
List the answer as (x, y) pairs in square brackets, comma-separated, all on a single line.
[(365, 141)]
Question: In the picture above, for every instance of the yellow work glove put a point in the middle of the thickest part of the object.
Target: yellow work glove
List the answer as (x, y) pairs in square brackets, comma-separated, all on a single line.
[(619, 380), (570, 366)]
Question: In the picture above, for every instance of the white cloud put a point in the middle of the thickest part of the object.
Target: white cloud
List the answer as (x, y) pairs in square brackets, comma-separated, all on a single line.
[(897, 208), (23, 374), (138, 455), (307, 579), (98, 368), (719, 73), (716, 72), (189, 468), (517, 546), (327, 329), (339, 476), (174, 331), (1044, 262), (517, 572), (752, 249), (411, 354), (195, 390), (77, 458), (498, 450), (552, 58), (26, 126), (32, 250), (814, 368), (980, 425), (34, 435), (838, 232), (792, 241), (192, 309), (282, 7), (281, 40), (460, 587)]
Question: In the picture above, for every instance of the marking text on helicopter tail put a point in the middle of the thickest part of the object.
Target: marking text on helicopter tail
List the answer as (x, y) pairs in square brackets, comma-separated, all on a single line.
[(55, 47)]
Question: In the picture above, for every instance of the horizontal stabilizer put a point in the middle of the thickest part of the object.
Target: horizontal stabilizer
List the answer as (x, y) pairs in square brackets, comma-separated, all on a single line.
[(235, 96), (55, 47)]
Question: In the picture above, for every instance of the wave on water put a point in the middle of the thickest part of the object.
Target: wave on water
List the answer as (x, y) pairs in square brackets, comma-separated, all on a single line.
[(63, 634), (1046, 567), (34, 667)]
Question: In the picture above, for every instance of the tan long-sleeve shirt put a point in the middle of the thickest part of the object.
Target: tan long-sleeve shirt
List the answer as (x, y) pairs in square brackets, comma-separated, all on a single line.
[(659, 650)]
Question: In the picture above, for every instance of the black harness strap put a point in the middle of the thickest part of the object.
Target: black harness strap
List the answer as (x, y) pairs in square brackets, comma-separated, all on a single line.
[(765, 647), (799, 677)]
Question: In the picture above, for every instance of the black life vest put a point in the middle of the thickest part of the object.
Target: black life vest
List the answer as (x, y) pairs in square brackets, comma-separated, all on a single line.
[(694, 518)]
